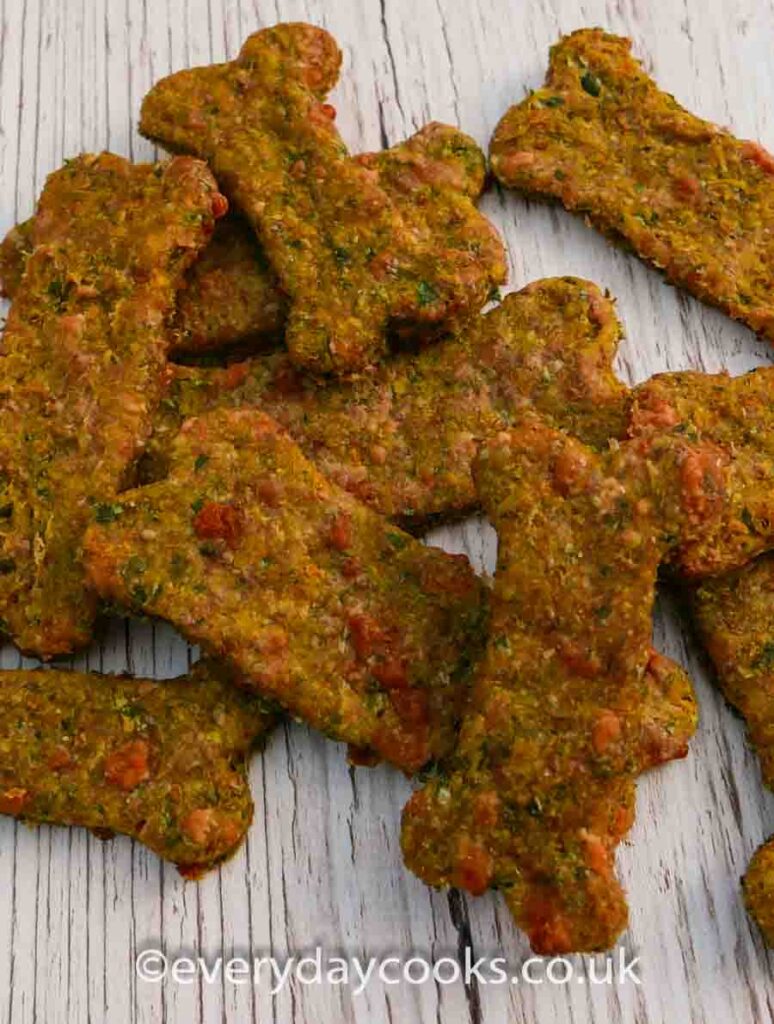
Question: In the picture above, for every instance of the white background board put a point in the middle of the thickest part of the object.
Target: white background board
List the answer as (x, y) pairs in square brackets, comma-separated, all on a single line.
[(322, 862)]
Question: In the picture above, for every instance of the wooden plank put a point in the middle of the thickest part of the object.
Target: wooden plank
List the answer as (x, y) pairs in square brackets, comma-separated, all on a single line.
[(322, 863)]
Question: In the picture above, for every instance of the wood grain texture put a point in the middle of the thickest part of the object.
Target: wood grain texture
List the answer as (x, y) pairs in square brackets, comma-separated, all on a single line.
[(322, 862)]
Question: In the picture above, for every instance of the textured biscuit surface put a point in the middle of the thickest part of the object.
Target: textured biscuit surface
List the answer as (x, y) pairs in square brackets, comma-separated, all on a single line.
[(14, 250), (604, 140), (233, 297), (163, 762), (735, 617), (349, 260), (403, 439), (314, 600), (570, 702), (734, 610), (758, 889), (727, 424), (82, 369)]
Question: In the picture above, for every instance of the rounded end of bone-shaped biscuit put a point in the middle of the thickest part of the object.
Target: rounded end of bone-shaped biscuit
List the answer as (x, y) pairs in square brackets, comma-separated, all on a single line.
[(758, 889), (296, 50), (438, 155)]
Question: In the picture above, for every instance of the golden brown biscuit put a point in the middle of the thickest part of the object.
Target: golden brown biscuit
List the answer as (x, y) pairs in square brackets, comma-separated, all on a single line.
[(735, 618), (163, 762), (82, 369), (350, 260), (403, 439), (14, 250), (233, 298), (758, 889), (570, 703), (731, 419), (314, 600), (601, 138)]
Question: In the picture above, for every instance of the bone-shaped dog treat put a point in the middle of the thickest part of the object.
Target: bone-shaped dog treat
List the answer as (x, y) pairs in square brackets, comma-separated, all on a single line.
[(163, 762), (685, 195), (82, 368), (734, 612), (403, 438), (734, 417), (351, 262), (314, 600), (569, 703)]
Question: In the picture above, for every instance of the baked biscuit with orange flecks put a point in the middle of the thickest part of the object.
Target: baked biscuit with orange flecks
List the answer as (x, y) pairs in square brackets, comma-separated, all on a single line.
[(351, 262), (314, 600)]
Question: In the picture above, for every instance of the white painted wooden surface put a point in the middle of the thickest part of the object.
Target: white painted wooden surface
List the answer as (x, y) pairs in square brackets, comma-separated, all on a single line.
[(322, 862)]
